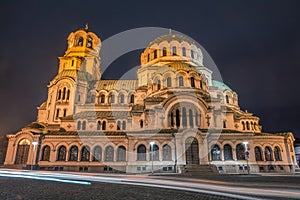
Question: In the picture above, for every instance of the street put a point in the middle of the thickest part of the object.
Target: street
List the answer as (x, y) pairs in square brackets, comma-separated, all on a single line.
[(26, 184)]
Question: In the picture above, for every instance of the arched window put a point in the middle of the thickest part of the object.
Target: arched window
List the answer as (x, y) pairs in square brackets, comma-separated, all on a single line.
[(78, 125), (124, 125), (258, 154), (154, 152), (121, 154), (141, 152), (83, 125), (68, 94), (172, 119), (252, 126), (89, 43), (57, 113), (80, 41), (132, 98), (109, 153), (224, 124), (64, 94), (104, 125), (183, 51), (174, 50), (167, 153), (169, 82), (197, 117), (141, 124), (118, 125), (85, 153), (158, 84), (22, 152), (216, 153), (177, 118), (243, 123), (97, 155), (227, 152), (59, 95), (98, 125), (155, 54), (268, 154), (247, 125), (46, 153), (201, 84), (102, 98), (180, 81), (65, 112), (192, 82), (148, 57), (240, 152), (73, 154), (227, 98), (164, 51), (191, 118), (61, 154), (121, 98), (277, 154), (192, 54), (112, 98), (184, 119)]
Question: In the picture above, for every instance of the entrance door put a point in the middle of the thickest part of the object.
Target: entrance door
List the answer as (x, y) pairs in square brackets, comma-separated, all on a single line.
[(192, 151), (22, 152)]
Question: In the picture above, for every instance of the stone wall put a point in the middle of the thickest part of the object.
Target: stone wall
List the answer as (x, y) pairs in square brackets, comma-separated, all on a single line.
[(3, 147)]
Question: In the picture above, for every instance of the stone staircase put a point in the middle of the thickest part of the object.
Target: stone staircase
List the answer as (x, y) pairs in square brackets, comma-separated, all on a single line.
[(199, 170)]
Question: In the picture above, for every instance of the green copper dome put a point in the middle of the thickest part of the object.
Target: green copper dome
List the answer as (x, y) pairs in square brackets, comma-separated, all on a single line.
[(220, 85)]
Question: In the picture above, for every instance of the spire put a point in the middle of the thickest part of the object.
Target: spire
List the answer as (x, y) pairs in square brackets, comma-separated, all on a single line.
[(86, 26)]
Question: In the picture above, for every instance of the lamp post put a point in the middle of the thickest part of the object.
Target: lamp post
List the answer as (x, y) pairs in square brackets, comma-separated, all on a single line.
[(247, 155), (151, 151), (34, 144)]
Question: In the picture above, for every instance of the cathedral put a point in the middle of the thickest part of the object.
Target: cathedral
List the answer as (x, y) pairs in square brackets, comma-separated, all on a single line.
[(174, 118)]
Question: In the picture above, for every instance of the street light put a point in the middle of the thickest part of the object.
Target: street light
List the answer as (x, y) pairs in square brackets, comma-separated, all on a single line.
[(247, 155), (151, 151), (34, 144)]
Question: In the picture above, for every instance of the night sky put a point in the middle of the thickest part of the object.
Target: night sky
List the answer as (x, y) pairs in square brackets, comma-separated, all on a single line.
[(255, 44)]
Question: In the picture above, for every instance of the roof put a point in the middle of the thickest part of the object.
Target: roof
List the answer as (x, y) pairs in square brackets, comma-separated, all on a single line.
[(101, 114), (89, 133), (221, 86), (172, 37), (116, 85), (43, 106), (181, 66), (74, 74)]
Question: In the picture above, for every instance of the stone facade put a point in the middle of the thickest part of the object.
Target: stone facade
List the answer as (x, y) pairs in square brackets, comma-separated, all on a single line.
[(90, 124)]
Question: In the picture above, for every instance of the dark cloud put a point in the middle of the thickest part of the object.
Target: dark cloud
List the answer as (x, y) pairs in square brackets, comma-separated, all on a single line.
[(255, 44)]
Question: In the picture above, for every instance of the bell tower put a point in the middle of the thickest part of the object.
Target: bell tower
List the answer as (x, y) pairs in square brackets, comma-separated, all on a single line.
[(82, 53), (78, 68)]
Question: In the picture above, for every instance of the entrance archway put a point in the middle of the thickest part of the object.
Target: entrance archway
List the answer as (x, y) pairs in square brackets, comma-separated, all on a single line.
[(192, 151), (22, 152)]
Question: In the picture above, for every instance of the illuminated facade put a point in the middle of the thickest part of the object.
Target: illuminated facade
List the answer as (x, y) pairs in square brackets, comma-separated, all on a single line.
[(89, 124)]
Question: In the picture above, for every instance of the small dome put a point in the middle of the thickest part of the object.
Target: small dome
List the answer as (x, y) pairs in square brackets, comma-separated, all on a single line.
[(83, 40)]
